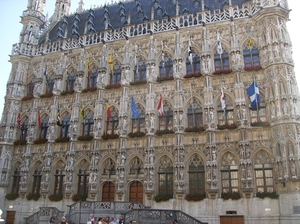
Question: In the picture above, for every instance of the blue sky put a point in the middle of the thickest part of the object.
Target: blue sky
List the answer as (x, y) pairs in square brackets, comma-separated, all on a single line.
[(11, 10)]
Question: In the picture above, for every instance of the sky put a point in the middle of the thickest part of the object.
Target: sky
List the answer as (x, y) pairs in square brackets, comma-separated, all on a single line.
[(10, 28)]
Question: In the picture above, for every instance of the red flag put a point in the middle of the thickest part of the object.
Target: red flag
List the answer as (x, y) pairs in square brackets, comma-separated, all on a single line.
[(19, 120), (160, 107), (108, 113), (39, 118)]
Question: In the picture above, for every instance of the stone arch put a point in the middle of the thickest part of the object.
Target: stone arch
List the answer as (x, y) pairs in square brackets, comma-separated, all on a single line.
[(108, 166), (135, 164), (189, 101)]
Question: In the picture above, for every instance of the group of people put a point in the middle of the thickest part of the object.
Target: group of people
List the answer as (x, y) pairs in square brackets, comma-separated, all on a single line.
[(53, 219), (107, 220)]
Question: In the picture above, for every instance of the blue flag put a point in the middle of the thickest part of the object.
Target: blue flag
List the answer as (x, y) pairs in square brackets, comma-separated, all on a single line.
[(135, 111), (253, 92)]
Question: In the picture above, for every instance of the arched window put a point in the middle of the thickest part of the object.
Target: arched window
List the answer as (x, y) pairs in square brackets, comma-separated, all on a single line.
[(16, 180), (258, 114), (44, 126), (263, 172), (37, 177), (115, 77), (229, 173), (30, 87), (71, 80), (167, 122), (195, 114), (138, 124), (82, 188), (140, 70), (196, 175), (24, 128), (58, 182), (89, 123), (165, 176), (93, 78), (109, 167), (113, 121), (136, 166), (193, 68), (50, 83), (66, 124), (251, 59), (221, 62), (166, 67)]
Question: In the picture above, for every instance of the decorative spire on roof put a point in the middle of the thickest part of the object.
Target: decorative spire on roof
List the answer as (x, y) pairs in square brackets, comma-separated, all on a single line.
[(80, 6), (61, 28), (75, 26), (90, 23), (122, 13)]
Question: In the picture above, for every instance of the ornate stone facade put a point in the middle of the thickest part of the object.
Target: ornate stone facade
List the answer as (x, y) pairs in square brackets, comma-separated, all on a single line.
[(76, 135)]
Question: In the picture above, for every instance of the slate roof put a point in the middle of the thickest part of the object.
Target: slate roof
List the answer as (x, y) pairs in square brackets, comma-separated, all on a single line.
[(139, 10)]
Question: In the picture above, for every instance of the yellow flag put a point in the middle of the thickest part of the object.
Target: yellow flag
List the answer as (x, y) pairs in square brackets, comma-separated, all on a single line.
[(81, 113), (110, 62)]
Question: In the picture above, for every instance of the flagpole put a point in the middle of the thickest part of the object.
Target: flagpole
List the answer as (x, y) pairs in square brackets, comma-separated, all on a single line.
[(257, 113)]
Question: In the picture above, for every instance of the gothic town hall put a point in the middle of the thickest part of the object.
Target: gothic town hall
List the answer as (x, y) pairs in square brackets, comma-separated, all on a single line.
[(186, 105)]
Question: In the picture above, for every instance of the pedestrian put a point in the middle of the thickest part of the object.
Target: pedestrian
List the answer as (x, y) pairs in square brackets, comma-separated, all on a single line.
[(52, 218), (63, 220)]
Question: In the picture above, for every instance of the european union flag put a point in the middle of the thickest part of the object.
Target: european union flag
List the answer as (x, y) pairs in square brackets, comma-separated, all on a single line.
[(253, 92), (135, 111)]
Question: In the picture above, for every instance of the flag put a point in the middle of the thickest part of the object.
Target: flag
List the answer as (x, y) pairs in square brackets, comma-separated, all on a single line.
[(39, 118), (81, 113), (190, 52), (108, 113), (219, 47), (222, 98), (19, 120), (250, 43), (111, 64), (88, 66), (163, 59), (58, 119), (160, 107), (135, 111), (253, 92)]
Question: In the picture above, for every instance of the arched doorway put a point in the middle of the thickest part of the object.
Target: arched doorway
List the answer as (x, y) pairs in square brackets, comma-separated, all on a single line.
[(136, 192), (108, 191)]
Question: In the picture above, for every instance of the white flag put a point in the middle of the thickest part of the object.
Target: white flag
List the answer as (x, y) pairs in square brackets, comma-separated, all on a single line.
[(190, 52), (219, 47), (222, 99)]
